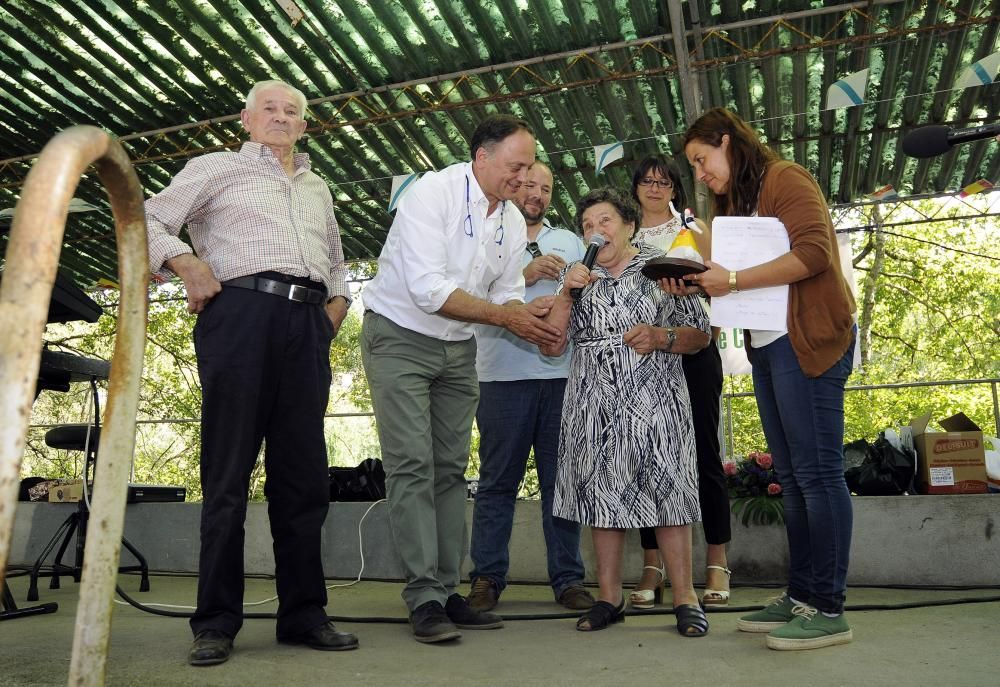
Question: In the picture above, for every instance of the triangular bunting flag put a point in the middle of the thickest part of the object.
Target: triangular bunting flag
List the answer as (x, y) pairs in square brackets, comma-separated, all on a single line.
[(976, 187), (847, 92), (292, 10), (884, 193), (606, 154), (980, 73), (75, 205), (400, 185)]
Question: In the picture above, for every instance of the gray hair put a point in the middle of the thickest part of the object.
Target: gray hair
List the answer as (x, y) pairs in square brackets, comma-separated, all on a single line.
[(622, 202), (261, 85)]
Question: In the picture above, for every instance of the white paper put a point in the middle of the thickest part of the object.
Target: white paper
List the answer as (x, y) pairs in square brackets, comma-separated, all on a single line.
[(737, 244)]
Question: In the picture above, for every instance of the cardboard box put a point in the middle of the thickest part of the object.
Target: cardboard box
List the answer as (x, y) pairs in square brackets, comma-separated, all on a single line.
[(949, 462), (69, 491)]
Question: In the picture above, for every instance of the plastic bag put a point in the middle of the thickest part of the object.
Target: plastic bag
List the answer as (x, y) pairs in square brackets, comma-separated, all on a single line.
[(884, 470), (366, 482)]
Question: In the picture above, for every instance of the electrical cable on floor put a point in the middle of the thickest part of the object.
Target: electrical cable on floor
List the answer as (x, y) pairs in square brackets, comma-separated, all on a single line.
[(156, 608), (361, 550), (572, 615)]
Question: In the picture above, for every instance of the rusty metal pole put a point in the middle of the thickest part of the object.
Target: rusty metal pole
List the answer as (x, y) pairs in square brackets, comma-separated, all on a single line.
[(31, 261)]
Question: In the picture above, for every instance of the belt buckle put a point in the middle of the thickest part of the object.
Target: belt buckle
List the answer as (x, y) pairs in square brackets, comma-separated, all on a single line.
[(294, 291)]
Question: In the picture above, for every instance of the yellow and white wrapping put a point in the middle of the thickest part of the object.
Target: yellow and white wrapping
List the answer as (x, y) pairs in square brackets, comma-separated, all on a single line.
[(684, 246)]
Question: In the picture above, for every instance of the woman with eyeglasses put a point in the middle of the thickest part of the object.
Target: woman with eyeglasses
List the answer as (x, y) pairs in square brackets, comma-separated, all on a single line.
[(626, 445), (656, 184)]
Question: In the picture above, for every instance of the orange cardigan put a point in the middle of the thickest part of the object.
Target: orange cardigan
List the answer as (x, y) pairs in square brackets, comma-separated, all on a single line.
[(820, 307)]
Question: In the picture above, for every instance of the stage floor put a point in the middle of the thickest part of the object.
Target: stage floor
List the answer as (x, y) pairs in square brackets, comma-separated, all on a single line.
[(946, 645)]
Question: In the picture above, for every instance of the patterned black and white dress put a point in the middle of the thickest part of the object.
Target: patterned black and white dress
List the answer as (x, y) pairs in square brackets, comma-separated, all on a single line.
[(626, 449)]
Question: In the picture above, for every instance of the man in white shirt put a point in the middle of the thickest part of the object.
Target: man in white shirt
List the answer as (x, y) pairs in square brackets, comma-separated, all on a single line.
[(520, 408), (452, 259)]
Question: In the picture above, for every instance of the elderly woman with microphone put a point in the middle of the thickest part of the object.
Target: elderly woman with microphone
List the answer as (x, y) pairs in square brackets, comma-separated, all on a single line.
[(626, 447)]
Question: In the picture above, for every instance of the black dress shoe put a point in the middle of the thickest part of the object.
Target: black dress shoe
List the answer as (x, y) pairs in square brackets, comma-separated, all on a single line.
[(431, 624), (210, 648), (460, 613), (324, 637)]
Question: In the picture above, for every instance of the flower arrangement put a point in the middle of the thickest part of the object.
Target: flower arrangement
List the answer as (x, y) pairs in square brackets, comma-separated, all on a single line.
[(754, 489)]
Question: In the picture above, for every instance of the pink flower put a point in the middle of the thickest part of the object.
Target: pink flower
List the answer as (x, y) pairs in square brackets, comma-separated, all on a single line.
[(729, 467), (773, 489), (764, 460)]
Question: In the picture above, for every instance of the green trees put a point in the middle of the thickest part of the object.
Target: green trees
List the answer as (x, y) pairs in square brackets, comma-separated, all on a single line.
[(929, 309)]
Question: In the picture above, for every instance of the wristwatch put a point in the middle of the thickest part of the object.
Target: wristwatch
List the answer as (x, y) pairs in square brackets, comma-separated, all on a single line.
[(671, 338), (732, 282)]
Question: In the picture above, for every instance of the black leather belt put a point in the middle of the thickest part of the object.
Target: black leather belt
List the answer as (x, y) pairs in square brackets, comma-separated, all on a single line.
[(293, 292)]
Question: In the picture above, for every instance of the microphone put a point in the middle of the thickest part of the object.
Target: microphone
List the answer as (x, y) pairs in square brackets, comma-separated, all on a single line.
[(937, 139), (596, 241)]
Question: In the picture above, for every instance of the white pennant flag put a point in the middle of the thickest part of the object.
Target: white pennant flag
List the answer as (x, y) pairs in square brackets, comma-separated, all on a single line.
[(980, 73), (606, 154), (400, 185), (847, 92)]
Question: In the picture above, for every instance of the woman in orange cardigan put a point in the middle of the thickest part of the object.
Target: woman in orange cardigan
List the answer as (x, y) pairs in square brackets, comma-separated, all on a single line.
[(799, 373)]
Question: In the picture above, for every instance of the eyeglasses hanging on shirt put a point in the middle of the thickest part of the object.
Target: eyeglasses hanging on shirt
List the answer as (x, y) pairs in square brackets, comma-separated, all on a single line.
[(498, 235)]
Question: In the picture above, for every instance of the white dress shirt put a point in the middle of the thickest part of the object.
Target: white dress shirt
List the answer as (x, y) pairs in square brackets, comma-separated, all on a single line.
[(442, 240)]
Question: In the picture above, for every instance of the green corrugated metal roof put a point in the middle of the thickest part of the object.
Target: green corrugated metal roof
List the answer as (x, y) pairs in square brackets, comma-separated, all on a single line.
[(397, 86)]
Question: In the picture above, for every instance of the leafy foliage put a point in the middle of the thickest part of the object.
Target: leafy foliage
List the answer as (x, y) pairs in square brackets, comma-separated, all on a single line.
[(935, 316)]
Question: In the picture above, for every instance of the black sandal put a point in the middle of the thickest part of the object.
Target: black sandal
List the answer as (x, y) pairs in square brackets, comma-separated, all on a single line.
[(600, 615), (691, 621)]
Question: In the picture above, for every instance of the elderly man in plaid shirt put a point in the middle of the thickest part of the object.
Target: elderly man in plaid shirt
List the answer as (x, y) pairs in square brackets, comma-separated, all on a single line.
[(267, 279)]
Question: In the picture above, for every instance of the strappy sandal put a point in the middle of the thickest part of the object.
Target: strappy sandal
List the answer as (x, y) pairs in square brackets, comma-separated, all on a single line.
[(647, 598), (691, 621), (601, 615), (716, 597)]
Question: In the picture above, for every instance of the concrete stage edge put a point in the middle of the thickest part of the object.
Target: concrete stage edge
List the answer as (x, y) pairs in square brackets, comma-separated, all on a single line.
[(918, 540)]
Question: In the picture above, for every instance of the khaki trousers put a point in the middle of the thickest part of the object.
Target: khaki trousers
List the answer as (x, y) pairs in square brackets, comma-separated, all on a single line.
[(425, 393)]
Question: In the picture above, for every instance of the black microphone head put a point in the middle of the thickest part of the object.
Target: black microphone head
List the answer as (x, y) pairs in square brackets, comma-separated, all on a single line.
[(927, 141)]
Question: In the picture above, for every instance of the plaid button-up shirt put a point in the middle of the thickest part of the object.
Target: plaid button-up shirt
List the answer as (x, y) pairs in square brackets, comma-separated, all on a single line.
[(245, 215)]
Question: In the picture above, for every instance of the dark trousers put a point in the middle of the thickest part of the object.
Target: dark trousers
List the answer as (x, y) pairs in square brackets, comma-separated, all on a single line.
[(703, 373), (803, 419), (265, 373), (514, 417)]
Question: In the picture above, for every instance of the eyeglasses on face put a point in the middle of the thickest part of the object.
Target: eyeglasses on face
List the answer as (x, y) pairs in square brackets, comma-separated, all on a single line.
[(657, 183)]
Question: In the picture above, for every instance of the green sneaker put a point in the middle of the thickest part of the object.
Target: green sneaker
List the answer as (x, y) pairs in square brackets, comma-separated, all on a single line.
[(778, 612), (810, 630)]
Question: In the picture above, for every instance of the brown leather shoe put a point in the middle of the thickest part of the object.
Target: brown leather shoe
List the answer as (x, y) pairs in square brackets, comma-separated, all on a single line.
[(324, 637), (484, 594), (210, 648), (576, 598)]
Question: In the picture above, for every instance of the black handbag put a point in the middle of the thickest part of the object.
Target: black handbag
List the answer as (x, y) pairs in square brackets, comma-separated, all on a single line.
[(366, 482), (884, 470)]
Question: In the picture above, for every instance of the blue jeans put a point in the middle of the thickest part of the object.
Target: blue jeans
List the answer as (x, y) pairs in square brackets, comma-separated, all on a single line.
[(803, 419), (513, 417)]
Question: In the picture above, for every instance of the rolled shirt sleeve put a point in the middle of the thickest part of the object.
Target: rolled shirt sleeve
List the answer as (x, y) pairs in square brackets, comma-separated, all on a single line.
[(422, 234), (442, 240), (338, 269), (167, 212)]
